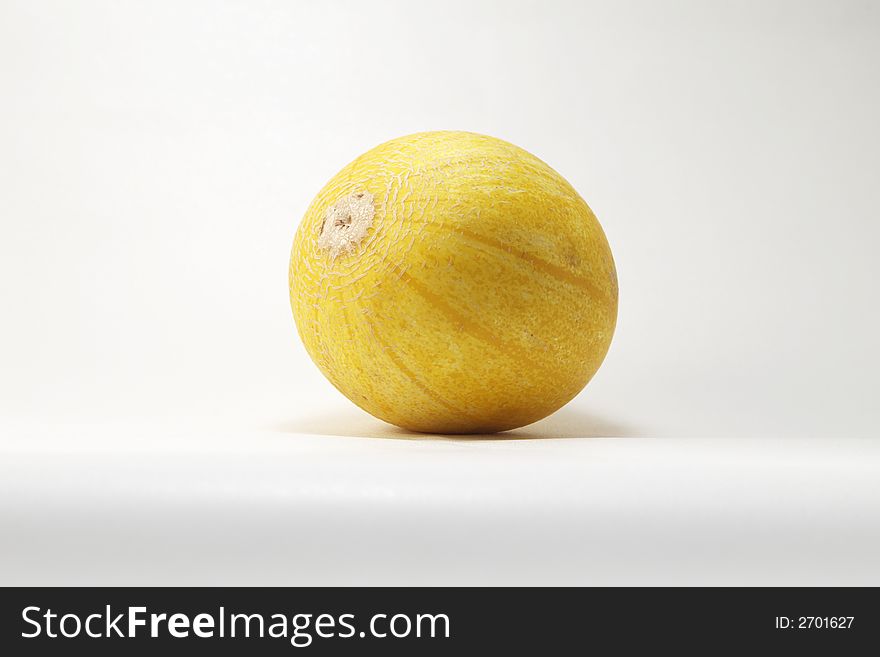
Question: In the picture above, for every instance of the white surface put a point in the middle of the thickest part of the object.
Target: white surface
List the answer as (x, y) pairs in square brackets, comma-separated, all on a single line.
[(270, 508), (160, 422)]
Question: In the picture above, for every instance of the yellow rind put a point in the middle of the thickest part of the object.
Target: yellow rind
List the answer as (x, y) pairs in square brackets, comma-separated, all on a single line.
[(483, 297)]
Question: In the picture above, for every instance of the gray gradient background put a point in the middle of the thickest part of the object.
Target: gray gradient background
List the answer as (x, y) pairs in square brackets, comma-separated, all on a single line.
[(161, 423)]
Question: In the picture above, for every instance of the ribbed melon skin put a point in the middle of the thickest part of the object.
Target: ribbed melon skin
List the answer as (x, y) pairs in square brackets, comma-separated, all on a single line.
[(482, 298)]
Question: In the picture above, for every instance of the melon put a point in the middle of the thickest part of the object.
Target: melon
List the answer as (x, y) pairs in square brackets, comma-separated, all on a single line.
[(451, 282)]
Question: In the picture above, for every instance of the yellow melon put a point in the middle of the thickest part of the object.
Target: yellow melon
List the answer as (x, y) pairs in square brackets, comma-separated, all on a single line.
[(450, 282)]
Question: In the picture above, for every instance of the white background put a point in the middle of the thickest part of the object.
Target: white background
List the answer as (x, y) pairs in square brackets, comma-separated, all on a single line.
[(161, 423)]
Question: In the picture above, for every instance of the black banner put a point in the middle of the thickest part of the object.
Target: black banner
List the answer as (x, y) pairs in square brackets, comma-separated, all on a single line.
[(333, 621)]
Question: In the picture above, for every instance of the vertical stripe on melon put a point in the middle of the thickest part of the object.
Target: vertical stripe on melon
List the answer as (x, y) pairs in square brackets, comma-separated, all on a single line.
[(450, 282)]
